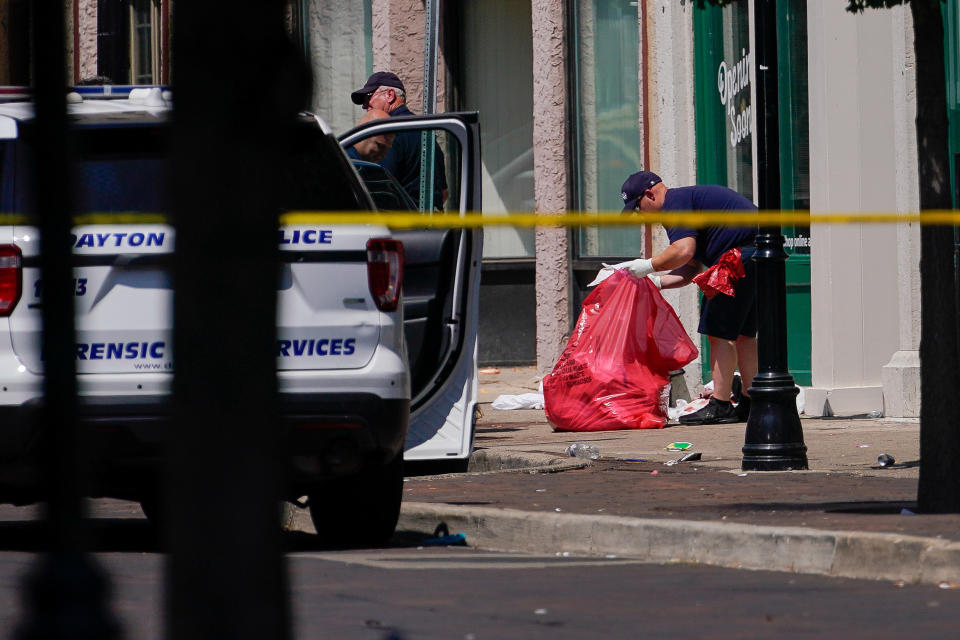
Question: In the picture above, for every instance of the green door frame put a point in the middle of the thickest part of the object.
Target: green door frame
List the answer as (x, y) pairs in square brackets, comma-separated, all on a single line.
[(712, 159), (951, 54)]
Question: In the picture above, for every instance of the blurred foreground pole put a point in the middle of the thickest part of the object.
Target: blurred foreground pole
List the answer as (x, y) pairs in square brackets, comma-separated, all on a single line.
[(939, 487), (66, 596), (774, 437), (238, 84)]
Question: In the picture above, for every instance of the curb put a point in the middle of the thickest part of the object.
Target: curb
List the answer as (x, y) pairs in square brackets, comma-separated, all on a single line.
[(489, 460), (297, 518), (847, 554)]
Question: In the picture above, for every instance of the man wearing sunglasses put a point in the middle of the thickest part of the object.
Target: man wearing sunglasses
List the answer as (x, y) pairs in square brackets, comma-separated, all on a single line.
[(384, 91)]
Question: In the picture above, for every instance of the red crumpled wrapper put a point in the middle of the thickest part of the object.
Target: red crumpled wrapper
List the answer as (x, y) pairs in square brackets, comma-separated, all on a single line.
[(721, 277)]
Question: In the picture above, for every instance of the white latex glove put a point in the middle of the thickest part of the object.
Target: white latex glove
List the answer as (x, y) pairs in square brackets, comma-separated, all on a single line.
[(608, 270), (602, 275), (639, 268)]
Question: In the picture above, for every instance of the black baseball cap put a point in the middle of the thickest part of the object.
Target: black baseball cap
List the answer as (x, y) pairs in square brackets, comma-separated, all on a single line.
[(378, 79), (635, 186)]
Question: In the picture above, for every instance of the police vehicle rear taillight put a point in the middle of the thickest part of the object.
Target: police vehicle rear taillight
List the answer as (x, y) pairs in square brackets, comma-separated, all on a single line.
[(385, 271), (11, 278)]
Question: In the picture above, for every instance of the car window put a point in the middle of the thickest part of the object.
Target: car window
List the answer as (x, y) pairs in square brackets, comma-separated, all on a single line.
[(402, 162), (124, 170), (317, 174), (117, 171), (387, 193)]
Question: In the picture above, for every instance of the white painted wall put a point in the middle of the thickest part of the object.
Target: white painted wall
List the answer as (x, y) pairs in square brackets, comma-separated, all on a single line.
[(860, 139)]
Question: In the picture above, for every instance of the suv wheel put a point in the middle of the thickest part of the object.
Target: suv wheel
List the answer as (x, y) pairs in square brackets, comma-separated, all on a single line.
[(360, 509)]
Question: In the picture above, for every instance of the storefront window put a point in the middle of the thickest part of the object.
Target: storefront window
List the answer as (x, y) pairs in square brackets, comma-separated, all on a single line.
[(794, 119), (606, 102), (340, 42), (498, 82), (724, 112)]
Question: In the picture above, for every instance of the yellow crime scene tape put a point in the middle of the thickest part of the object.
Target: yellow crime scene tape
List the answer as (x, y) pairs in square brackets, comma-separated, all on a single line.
[(407, 220)]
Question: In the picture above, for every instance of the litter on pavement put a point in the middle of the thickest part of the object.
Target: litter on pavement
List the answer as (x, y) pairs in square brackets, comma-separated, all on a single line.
[(678, 446), (583, 450), (683, 407), (521, 401), (687, 457), (443, 538), (453, 540), (885, 460)]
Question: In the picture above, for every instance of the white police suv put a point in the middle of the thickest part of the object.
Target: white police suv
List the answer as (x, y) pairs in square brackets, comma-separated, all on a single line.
[(376, 350)]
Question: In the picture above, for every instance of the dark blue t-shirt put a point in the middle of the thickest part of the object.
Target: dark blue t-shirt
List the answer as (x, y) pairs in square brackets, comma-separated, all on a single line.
[(712, 242), (403, 161)]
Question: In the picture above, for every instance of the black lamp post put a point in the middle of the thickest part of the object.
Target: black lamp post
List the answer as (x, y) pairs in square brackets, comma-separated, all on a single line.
[(774, 437)]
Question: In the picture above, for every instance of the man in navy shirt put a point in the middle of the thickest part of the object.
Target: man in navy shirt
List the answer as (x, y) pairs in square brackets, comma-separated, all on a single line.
[(385, 91), (729, 322)]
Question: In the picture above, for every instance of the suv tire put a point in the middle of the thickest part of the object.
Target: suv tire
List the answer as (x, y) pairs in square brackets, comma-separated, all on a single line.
[(361, 509)]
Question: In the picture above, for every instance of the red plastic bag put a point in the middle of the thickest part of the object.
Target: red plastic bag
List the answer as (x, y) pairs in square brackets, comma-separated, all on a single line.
[(721, 277), (616, 366)]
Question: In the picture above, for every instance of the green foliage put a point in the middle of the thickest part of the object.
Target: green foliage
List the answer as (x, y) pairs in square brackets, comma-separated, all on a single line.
[(857, 6), (853, 6), (715, 3)]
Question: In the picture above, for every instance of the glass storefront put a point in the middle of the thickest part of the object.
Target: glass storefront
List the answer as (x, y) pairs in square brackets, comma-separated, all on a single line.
[(340, 44), (498, 82), (794, 119), (723, 109), (606, 120)]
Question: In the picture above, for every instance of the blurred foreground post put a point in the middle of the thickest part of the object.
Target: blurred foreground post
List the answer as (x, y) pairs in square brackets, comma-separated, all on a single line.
[(238, 84), (67, 592), (938, 490)]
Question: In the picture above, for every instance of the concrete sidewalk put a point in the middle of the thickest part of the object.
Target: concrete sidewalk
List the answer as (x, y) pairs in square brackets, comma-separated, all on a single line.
[(833, 444), (843, 517)]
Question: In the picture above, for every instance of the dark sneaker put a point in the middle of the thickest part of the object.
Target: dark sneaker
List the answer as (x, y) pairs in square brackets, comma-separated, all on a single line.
[(715, 412), (743, 409)]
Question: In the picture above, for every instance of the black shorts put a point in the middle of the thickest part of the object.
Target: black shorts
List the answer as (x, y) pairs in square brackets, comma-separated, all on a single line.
[(731, 317)]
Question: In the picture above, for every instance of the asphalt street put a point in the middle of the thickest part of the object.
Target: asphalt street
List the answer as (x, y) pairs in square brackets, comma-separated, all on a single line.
[(412, 591)]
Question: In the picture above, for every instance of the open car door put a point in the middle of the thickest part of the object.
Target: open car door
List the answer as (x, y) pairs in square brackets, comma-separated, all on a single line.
[(441, 279)]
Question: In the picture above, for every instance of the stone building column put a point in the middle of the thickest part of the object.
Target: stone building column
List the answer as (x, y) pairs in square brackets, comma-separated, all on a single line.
[(86, 28), (399, 27), (550, 185), (901, 376), (670, 133)]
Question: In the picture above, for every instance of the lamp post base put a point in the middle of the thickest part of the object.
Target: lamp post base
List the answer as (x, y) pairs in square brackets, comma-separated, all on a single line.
[(774, 437)]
